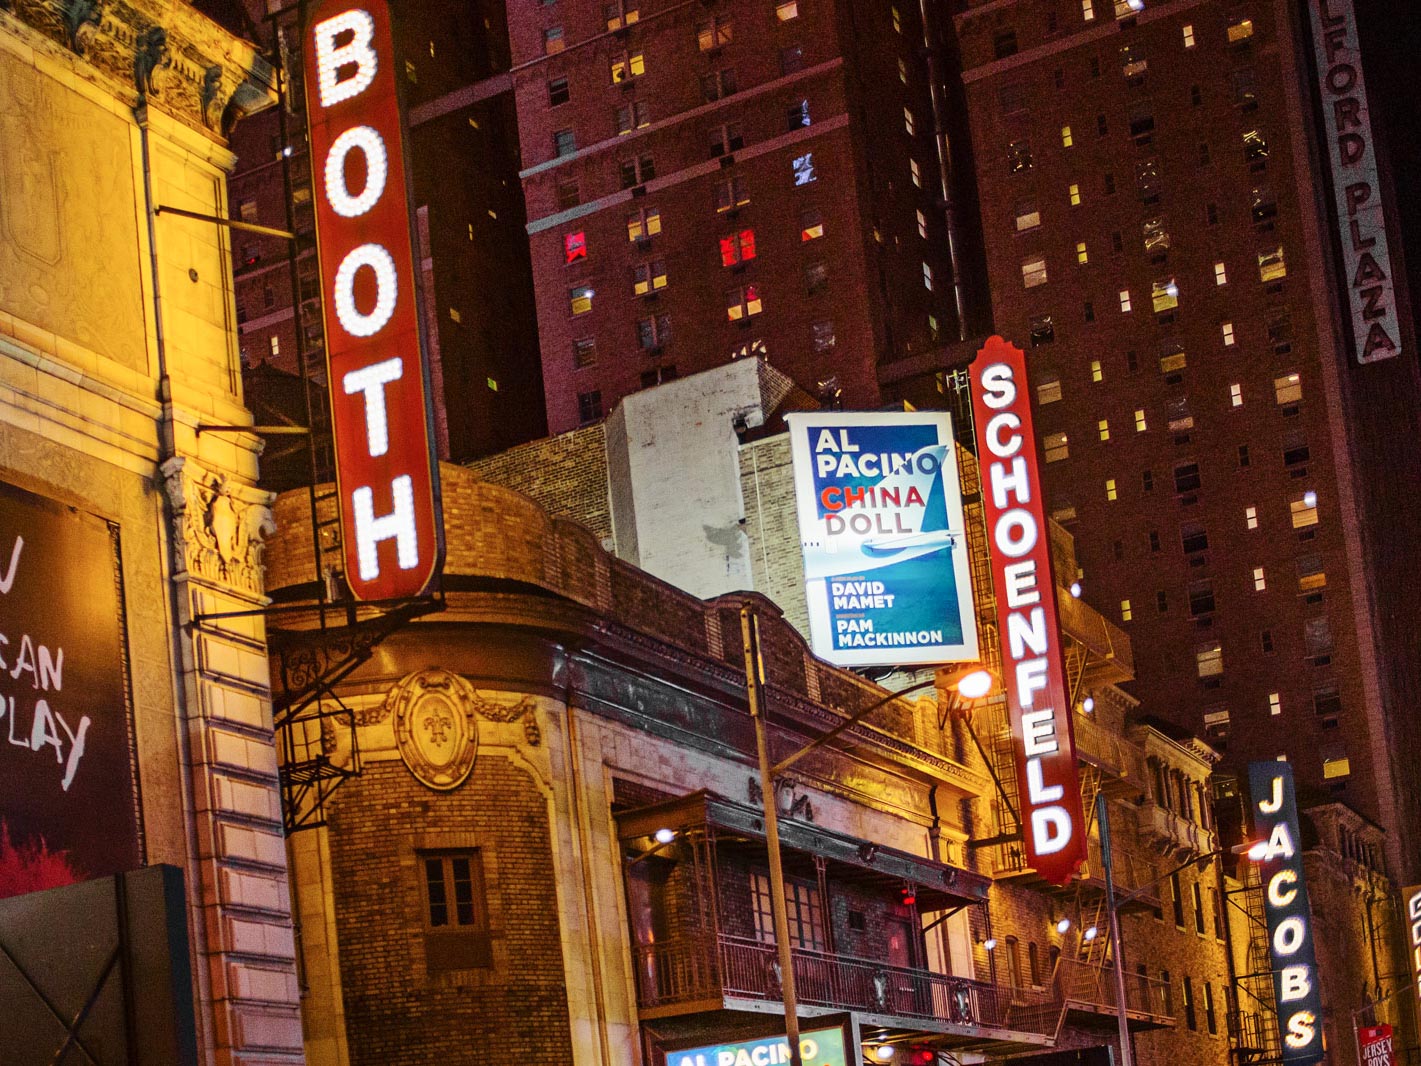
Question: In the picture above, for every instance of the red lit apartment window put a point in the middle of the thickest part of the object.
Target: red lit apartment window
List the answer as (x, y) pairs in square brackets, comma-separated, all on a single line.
[(574, 246), (737, 248)]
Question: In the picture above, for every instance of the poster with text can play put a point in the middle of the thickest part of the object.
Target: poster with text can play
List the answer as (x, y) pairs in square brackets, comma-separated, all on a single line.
[(68, 803), (886, 571)]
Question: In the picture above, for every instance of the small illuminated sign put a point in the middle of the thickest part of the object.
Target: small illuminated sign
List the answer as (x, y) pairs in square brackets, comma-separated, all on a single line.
[(1413, 933), (386, 474), (1033, 673), (1374, 1044), (1289, 918), (824, 1047), (1361, 220)]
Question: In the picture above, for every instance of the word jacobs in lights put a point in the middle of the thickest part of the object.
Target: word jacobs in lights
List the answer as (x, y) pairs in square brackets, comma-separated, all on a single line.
[(386, 473), (1032, 669), (1285, 897)]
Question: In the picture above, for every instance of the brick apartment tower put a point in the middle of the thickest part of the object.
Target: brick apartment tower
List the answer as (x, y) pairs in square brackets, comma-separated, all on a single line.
[(731, 177), (476, 285), (1155, 209)]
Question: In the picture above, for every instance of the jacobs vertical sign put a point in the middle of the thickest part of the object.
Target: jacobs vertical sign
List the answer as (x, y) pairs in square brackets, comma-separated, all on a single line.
[(1033, 673), (1361, 221), (886, 572), (1289, 918), (386, 473)]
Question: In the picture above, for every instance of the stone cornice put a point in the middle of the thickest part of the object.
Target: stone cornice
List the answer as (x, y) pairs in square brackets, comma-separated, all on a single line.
[(165, 55)]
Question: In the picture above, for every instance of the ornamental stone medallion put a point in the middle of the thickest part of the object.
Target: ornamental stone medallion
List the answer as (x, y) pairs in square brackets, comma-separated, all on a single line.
[(435, 730)]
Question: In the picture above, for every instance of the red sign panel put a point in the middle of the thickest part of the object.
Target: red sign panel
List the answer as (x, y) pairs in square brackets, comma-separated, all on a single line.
[(1032, 670), (386, 473), (1374, 1042)]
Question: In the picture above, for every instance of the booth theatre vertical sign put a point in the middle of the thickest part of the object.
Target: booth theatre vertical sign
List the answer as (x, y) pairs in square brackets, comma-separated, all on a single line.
[(386, 473), (68, 806), (1033, 673)]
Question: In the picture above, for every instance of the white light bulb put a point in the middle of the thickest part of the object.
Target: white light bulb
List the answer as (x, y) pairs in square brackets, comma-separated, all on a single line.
[(990, 943), (665, 836), (1310, 498), (331, 58), (1063, 925), (380, 261), (1088, 704), (1092, 933), (883, 1052), (377, 169), (1076, 589), (975, 685), (397, 525)]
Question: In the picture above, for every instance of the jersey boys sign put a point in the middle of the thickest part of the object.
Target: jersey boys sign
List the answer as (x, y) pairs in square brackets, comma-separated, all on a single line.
[(1032, 670), (886, 572), (1285, 905), (385, 469), (1361, 224)]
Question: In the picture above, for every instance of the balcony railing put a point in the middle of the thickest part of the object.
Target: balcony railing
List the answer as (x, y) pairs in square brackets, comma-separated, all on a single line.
[(1084, 986), (691, 971), (1133, 874)]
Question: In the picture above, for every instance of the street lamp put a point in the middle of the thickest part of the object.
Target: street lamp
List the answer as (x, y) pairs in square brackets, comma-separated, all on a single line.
[(1254, 851), (972, 682)]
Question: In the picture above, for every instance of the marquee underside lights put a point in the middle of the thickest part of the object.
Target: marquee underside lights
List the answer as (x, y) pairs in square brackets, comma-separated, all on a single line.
[(386, 473), (1033, 674), (1285, 903)]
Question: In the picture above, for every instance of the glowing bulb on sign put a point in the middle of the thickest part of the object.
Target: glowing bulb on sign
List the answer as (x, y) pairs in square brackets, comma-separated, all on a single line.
[(376, 170), (386, 290), (332, 58)]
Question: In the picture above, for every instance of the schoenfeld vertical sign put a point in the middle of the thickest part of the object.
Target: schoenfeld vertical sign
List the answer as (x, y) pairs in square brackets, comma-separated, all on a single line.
[(1033, 673), (886, 571), (386, 473), (1285, 905)]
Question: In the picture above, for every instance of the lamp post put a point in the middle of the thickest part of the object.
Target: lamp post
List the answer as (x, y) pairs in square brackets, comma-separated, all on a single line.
[(754, 687), (1112, 911)]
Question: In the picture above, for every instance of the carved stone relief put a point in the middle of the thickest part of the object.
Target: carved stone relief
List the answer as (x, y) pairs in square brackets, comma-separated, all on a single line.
[(220, 525), (435, 730)]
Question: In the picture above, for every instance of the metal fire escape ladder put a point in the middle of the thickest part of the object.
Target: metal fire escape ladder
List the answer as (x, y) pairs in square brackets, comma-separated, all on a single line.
[(1253, 1020)]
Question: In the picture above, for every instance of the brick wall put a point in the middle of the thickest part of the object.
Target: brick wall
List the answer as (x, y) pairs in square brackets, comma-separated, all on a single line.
[(565, 475), (396, 1014)]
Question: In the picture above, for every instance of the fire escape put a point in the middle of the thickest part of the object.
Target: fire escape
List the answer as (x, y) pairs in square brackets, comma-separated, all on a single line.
[(1253, 1012)]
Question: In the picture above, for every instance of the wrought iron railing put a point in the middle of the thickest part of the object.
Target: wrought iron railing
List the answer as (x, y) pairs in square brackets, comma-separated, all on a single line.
[(690, 970)]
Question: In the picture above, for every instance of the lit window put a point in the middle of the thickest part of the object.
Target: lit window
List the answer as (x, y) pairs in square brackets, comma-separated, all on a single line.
[(1188, 36), (1125, 611), (1019, 156), (1250, 517), (1049, 391), (1087, 10), (553, 40), (750, 349), (627, 66), (1097, 373), (1209, 659), (1173, 358), (1164, 295), (618, 15), (908, 123), (274, 344), (1056, 447), (1304, 510), (821, 335), (1033, 272), (731, 194), (1288, 389), (1110, 493), (1103, 426), (574, 246), (1082, 256), (1075, 194), (1155, 237), (916, 171), (1227, 329), (1275, 699), (1221, 275), (1028, 215), (1259, 581), (737, 248), (1126, 8), (644, 224), (649, 277), (1240, 31), (1066, 139), (897, 20), (714, 33), (1336, 766), (1255, 147), (580, 298), (1140, 420), (1236, 395), (1124, 301), (804, 169), (1272, 266), (743, 302), (902, 71), (786, 10), (927, 277), (1312, 576), (811, 225), (933, 331), (797, 116), (922, 225)]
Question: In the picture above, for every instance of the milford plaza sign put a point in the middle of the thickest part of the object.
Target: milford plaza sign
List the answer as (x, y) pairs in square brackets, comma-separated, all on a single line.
[(386, 473)]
